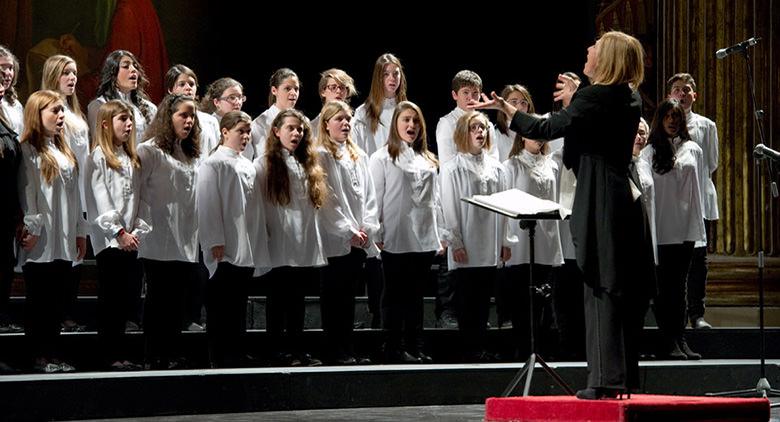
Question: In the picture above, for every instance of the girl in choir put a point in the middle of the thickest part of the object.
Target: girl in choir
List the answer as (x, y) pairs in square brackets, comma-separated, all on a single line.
[(283, 95), (372, 122), (335, 85), (10, 214), (54, 229), (476, 237), (532, 169), (123, 78), (348, 237), (9, 102), (222, 96), (294, 190), (182, 80), (59, 75), (370, 127), (229, 217), (170, 253), (518, 96), (677, 162), (644, 172), (116, 228), (407, 192)]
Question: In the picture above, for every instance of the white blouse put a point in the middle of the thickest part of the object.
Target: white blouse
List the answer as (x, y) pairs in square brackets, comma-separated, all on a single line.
[(369, 141), (15, 115), (293, 229), (645, 172), (112, 200), (504, 143), (228, 210), (481, 232), (351, 202), (141, 123), (209, 134), (260, 128), (168, 184), (407, 194), (537, 175), (315, 126), (678, 205), (445, 136), (76, 132), (51, 211), (704, 132)]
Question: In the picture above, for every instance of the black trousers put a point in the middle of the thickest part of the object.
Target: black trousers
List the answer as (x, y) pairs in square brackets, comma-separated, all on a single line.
[(166, 283), (473, 287), (402, 299), (446, 302), (196, 294), (338, 300), (46, 285), (118, 273), (697, 280), (285, 307), (613, 326), (7, 262), (673, 264), (569, 309), (373, 277), (226, 300)]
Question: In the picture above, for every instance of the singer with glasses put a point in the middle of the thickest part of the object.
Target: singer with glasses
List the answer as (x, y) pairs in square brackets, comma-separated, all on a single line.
[(335, 85), (608, 222)]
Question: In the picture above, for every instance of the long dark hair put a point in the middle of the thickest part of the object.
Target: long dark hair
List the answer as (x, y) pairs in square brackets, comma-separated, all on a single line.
[(663, 157), (162, 131), (107, 87), (278, 179)]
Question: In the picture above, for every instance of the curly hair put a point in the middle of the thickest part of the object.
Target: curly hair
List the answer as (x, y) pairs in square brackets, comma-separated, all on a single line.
[(162, 131), (278, 178), (108, 88)]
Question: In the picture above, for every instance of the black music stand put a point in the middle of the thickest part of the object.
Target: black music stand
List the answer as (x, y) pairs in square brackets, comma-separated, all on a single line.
[(528, 222)]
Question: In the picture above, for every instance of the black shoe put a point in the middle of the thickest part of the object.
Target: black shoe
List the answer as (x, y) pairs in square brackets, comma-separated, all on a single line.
[(364, 361), (400, 356), (423, 358), (307, 360), (448, 321), (689, 354), (672, 352), (345, 360), (599, 393)]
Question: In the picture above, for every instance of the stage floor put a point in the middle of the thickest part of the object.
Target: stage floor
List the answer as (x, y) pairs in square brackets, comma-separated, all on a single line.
[(457, 413)]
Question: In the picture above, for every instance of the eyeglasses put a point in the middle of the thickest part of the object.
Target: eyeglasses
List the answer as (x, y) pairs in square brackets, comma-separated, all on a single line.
[(234, 98), (477, 127), (336, 88), (518, 101)]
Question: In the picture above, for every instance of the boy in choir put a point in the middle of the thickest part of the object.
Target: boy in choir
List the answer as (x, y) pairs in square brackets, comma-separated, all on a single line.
[(703, 131)]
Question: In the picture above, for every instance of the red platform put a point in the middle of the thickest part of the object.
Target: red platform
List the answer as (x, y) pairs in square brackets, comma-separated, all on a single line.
[(640, 407)]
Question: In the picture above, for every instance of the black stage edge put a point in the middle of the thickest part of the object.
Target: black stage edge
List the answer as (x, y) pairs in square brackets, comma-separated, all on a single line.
[(112, 395)]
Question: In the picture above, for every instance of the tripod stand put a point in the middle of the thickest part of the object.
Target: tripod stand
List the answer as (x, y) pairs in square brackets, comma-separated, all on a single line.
[(530, 364), (763, 388), (508, 203)]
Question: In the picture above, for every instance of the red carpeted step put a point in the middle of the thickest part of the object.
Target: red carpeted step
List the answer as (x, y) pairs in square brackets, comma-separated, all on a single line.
[(640, 407)]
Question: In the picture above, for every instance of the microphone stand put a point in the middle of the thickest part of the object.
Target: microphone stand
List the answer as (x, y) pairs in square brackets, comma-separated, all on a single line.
[(763, 388)]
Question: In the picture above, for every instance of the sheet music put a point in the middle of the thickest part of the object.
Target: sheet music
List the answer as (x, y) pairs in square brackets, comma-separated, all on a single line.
[(515, 203)]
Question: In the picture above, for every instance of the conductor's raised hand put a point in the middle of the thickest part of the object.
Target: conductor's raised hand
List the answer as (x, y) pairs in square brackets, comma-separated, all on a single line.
[(494, 102), (565, 89)]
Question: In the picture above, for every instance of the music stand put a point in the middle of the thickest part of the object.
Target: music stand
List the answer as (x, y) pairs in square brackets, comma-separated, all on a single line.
[(527, 221)]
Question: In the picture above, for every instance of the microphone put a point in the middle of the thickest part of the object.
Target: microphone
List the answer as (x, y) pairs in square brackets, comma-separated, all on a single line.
[(762, 151), (723, 52)]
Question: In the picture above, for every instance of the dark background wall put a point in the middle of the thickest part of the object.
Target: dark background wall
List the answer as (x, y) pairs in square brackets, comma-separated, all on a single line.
[(517, 42)]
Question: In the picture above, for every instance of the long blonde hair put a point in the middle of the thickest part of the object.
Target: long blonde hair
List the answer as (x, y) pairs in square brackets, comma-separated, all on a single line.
[(50, 79), (420, 145), (278, 179), (34, 134), (621, 60), (329, 110), (104, 133), (377, 93)]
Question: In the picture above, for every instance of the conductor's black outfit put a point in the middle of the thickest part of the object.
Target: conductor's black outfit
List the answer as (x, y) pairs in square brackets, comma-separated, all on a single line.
[(610, 231)]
